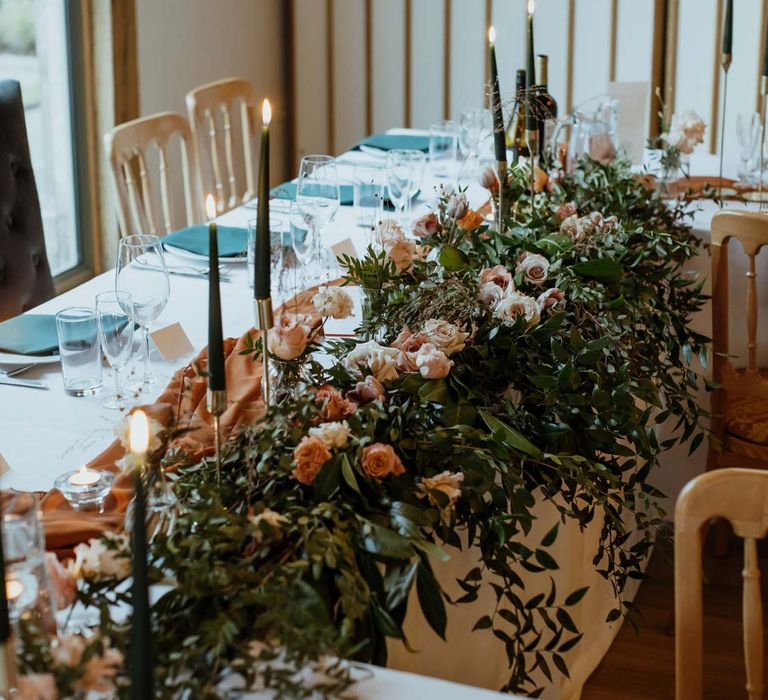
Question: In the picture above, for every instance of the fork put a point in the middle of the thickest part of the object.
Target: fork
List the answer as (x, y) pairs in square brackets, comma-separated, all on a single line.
[(18, 370)]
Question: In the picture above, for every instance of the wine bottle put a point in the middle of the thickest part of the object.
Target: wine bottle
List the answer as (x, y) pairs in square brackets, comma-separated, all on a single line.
[(516, 127), (546, 107)]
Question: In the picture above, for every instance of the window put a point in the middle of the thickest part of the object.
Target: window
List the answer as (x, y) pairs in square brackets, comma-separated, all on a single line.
[(34, 49)]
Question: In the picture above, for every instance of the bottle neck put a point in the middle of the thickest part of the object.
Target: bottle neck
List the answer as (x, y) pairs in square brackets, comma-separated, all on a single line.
[(542, 71)]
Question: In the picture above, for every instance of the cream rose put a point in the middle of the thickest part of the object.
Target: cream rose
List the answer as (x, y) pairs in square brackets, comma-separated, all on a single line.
[(380, 460), (96, 561), (550, 298), (446, 483), (290, 336), (36, 686), (445, 336), (333, 302), (333, 434), (514, 305), (491, 294), (431, 362), (498, 275), (534, 268), (426, 226), (308, 458), (381, 361)]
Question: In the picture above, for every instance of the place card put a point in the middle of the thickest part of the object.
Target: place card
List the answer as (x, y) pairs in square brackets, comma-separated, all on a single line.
[(4, 466), (344, 247), (172, 342)]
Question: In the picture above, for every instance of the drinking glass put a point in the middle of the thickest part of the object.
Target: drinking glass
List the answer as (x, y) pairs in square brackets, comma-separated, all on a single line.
[(276, 226), (475, 127), (318, 194), (443, 147), (405, 170), (302, 245), (141, 272), (748, 133), (78, 335), (368, 198), (26, 576), (113, 316)]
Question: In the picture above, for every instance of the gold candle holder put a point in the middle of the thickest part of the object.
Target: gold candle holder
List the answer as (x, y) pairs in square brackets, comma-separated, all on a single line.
[(725, 61), (8, 678), (501, 172), (265, 319), (532, 139), (217, 404)]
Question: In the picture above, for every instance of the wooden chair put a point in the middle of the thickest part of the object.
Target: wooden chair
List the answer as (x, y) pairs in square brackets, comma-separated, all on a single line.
[(127, 147), (740, 496), (740, 405), (203, 105)]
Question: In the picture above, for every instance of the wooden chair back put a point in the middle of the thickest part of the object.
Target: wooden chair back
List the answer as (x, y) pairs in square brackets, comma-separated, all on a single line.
[(750, 229), (217, 169), (127, 147), (740, 496)]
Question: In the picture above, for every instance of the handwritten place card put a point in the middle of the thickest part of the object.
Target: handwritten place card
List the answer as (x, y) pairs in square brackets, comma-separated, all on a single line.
[(172, 342), (4, 466), (344, 247)]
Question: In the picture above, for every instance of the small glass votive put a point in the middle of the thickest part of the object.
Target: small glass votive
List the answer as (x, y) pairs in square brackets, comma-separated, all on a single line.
[(85, 489)]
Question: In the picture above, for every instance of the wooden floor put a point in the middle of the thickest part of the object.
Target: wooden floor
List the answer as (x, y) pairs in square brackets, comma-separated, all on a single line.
[(643, 665)]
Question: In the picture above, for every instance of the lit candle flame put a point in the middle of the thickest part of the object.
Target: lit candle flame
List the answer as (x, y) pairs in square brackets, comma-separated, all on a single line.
[(139, 433), (531, 6), (210, 207), (492, 35), (266, 113), (13, 589)]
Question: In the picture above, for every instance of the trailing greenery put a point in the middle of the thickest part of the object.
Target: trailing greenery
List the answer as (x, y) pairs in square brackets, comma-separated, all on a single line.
[(558, 380)]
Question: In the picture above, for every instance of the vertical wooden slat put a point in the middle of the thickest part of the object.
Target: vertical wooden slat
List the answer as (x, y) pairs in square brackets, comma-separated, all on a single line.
[(614, 32), (368, 67), (486, 54), (763, 23), (331, 138), (657, 62), (752, 312), (408, 43), (164, 196), (246, 117), (447, 61), (670, 59), (752, 615), (569, 62), (228, 156), (714, 131), (215, 160), (146, 193), (289, 112)]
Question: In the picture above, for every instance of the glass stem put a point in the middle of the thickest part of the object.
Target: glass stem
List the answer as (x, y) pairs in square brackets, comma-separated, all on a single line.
[(145, 342), (118, 384)]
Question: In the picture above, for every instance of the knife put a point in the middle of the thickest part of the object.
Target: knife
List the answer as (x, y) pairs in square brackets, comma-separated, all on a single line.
[(29, 383)]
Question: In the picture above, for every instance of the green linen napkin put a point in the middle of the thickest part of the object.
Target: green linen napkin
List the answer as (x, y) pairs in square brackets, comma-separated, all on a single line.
[(194, 239), (29, 334), (288, 191), (389, 142)]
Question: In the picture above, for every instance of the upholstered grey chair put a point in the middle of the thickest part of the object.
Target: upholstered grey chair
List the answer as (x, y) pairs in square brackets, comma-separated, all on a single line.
[(25, 276)]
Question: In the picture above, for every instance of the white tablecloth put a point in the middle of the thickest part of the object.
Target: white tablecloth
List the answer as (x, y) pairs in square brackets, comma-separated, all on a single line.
[(45, 433)]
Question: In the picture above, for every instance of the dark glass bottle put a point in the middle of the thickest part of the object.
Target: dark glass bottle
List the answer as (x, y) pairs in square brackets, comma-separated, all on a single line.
[(546, 107), (516, 126)]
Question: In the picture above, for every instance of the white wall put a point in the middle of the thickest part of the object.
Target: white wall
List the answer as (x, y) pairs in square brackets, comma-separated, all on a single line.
[(185, 43)]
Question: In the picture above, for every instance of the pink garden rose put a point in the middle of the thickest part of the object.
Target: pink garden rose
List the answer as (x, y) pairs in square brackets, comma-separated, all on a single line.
[(566, 210), (498, 275), (290, 336), (552, 297), (371, 389), (431, 362), (534, 268), (427, 225)]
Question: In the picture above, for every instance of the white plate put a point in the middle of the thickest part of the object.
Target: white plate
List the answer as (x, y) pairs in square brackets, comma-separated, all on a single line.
[(7, 358), (187, 255)]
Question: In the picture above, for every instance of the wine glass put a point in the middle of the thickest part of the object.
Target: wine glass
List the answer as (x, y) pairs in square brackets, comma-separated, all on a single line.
[(318, 195), (114, 320), (405, 170), (748, 133), (475, 126), (141, 272)]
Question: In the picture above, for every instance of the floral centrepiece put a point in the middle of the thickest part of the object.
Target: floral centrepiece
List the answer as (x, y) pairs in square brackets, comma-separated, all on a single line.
[(510, 366)]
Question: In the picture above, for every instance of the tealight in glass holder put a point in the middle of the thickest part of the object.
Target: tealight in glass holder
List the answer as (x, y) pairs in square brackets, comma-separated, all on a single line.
[(85, 489)]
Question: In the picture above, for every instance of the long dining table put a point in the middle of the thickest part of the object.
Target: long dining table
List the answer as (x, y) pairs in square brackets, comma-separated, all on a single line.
[(45, 433)]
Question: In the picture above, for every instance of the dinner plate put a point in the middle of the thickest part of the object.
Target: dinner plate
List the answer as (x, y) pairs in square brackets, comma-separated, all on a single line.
[(8, 358), (187, 255)]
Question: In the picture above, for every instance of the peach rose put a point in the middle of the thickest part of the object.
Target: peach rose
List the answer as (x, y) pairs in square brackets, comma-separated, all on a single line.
[(290, 336), (534, 267), (431, 362), (445, 482), (309, 456), (371, 389), (550, 298), (499, 275), (427, 225), (62, 581), (540, 179), (444, 335), (36, 686), (335, 406), (471, 221), (566, 210), (402, 251), (379, 460)]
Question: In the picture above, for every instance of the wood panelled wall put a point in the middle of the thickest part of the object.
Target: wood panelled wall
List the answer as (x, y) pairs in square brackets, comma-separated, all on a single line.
[(361, 66)]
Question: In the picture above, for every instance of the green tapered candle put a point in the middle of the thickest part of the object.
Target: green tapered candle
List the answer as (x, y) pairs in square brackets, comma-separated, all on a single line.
[(216, 376), (261, 282), (499, 140), (142, 669), (530, 117), (765, 55), (728, 30)]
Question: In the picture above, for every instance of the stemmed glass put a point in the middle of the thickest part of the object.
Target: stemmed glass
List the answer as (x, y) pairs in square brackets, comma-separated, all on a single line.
[(318, 196), (113, 317), (475, 126), (748, 133), (141, 272), (405, 170)]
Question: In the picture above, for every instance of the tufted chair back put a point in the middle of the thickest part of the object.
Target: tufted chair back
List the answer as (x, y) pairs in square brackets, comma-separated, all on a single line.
[(25, 277)]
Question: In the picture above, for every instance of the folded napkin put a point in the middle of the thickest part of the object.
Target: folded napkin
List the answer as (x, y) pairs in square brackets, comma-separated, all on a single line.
[(389, 142), (194, 239), (29, 334), (288, 191)]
